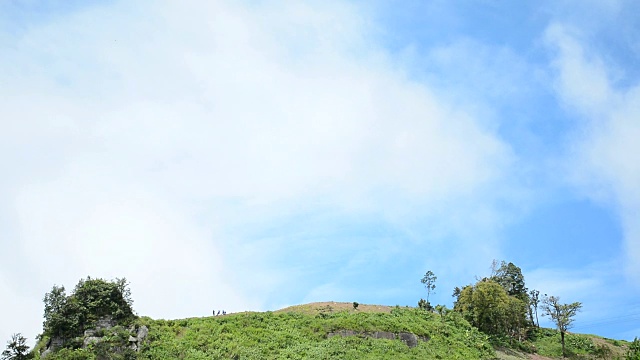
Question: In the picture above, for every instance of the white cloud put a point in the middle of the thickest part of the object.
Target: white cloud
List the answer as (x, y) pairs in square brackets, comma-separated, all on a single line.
[(583, 80), (605, 150), (155, 141)]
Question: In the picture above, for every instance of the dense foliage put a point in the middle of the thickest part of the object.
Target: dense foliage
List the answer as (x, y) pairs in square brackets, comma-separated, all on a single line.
[(511, 279), (487, 306), (67, 316)]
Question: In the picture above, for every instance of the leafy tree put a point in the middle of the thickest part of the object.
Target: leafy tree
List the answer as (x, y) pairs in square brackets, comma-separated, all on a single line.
[(534, 301), (17, 349), (429, 281), (561, 314), (487, 306), (123, 286), (510, 277), (56, 323), (102, 298)]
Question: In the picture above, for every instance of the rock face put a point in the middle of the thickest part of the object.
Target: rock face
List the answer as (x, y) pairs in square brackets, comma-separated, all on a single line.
[(52, 345), (136, 341), (104, 326), (408, 338)]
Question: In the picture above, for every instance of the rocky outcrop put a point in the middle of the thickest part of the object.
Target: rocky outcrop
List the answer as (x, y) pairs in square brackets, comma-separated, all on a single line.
[(408, 338), (105, 326), (136, 341)]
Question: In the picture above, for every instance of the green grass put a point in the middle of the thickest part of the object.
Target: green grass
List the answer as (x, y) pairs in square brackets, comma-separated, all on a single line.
[(578, 346), (293, 335)]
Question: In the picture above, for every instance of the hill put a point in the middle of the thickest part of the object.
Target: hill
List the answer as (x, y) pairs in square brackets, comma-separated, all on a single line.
[(316, 331), (333, 330)]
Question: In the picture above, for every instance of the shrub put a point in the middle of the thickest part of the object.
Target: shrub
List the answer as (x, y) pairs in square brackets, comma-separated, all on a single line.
[(634, 350)]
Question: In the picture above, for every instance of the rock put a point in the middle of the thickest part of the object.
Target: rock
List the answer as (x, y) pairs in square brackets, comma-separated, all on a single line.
[(408, 338), (55, 343), (143, 331), (91, 340), (343, 333), (384, 335), (106, 323)]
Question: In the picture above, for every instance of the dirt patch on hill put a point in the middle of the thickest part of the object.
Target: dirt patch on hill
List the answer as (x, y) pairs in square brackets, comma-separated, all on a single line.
[(332, 306)]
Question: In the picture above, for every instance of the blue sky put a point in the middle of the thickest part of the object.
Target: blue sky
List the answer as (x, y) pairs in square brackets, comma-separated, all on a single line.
[(254, 155)]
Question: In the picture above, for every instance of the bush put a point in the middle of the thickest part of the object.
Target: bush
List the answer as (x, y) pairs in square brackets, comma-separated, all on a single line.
[(634, 350)]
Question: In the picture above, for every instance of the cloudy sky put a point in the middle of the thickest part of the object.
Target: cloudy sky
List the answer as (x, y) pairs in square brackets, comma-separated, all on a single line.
[(250, 155)]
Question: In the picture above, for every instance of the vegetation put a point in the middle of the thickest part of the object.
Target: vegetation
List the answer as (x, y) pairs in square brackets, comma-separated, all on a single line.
[(634, 350), (546, 342), (300, 335), (67, 317), (511, 279), (534, 302), (302, 332), (561, 314), (17, 349), (497, 305), (487, 306), (429, 282), (491, 319)]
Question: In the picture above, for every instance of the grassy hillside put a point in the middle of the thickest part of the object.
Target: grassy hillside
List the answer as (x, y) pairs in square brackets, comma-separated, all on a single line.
[(303, 332)]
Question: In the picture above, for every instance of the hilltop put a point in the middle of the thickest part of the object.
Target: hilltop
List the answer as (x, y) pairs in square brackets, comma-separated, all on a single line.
[(337, 330)]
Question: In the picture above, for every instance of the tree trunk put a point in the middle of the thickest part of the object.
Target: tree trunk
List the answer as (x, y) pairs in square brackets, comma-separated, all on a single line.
[(564, 355)]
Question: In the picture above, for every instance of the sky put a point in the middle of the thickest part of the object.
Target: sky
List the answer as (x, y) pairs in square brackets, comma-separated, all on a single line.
[(251, 155)]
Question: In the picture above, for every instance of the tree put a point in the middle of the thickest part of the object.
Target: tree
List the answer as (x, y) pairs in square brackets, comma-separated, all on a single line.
[(534, 301), (561, 314), (55, 321), (456, 292), (510, 278), (429, 281), (17, 349), (487, 306), (123, 287), (102, 298)]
